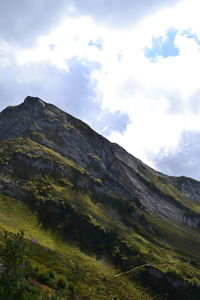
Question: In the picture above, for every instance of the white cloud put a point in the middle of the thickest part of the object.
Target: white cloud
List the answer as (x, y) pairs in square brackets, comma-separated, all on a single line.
[(120, 13), (160, 98), (182, 159)]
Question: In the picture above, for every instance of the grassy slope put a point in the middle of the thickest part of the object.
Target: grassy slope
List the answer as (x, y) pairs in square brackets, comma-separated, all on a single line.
[(156, 242), (87, 274)]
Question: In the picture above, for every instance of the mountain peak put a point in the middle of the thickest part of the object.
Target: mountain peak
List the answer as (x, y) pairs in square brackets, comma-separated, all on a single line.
[(16, 120), (34, 103), (93, 193)]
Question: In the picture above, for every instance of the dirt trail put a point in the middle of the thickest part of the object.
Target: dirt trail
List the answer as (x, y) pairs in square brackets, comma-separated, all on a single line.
[(142, 266)]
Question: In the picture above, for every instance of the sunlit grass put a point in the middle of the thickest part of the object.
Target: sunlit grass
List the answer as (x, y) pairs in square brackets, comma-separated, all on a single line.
[(87, 274)]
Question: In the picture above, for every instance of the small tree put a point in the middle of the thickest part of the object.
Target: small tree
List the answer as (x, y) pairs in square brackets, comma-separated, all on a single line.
[(13, 266)]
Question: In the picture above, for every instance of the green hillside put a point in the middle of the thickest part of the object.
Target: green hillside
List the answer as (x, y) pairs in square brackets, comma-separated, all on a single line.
[(98, 223), (52, 254)]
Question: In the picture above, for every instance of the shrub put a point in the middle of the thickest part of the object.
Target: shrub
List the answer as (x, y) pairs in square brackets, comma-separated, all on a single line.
[(61, 283), (44, 278)]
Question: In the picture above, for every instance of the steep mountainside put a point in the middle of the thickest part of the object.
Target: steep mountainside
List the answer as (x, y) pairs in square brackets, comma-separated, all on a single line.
[(88, 193)]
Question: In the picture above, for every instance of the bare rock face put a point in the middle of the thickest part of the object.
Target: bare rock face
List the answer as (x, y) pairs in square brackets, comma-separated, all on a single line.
[(16, 120), (120, 173), (189, 187), (34, 104)]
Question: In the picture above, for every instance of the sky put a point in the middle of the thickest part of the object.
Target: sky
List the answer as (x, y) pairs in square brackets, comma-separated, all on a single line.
[(128, 68)]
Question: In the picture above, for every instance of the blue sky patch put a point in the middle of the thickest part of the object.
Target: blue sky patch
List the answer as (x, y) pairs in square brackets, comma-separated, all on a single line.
[(191, 35), (162, 46)]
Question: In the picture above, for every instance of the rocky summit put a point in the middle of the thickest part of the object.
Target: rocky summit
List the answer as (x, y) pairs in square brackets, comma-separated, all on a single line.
[(114, 228)]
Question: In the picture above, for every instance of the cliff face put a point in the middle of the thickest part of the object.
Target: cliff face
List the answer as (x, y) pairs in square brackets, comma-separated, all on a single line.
[(94, 192)]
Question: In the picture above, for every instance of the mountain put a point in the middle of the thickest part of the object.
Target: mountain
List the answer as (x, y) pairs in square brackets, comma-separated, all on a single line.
[(116, 228)]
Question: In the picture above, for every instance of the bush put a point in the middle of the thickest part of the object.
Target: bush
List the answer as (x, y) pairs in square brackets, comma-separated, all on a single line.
[(61, 283), (52, 274), (44, 278)]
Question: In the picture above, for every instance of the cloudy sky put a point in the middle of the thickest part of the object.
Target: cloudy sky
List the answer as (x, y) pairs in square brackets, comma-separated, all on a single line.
[(129, 68)]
